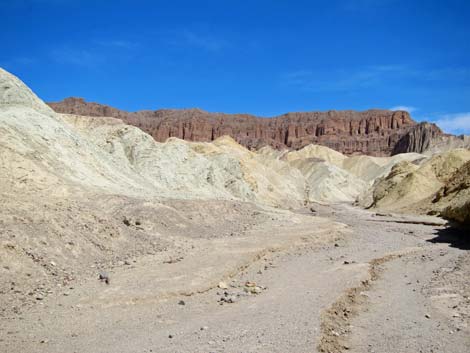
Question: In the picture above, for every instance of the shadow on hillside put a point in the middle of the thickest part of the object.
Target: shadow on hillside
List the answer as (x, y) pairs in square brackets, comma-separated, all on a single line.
[(455, 237)]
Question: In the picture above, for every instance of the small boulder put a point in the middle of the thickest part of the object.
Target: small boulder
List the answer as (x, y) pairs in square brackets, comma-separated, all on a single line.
[(104, 277)]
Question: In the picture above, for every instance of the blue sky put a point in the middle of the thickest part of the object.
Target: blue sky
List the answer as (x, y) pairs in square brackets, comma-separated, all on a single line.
[(259, 57)]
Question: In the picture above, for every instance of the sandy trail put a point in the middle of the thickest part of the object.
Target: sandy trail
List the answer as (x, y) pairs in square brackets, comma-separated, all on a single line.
[(409, 303), (308, 270)]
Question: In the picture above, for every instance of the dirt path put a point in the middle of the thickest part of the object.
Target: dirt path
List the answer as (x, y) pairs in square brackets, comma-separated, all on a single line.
[(381, 286), (416, 298)]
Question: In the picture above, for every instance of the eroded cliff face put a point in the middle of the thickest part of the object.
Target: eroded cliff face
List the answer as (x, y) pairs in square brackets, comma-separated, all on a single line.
[(429, 139), (372, 132), (418, 139)]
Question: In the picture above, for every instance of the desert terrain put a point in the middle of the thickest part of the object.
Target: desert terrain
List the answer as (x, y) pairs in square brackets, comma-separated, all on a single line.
[(113, 241)]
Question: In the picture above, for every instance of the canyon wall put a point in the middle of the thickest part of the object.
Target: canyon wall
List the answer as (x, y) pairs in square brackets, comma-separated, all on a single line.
[(372, 132)]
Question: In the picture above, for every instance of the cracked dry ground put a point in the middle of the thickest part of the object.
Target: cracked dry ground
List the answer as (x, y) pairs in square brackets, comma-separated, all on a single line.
[(382, 284)]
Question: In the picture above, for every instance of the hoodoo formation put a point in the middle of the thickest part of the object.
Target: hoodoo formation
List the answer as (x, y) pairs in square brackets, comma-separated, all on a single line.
[(372, 132)]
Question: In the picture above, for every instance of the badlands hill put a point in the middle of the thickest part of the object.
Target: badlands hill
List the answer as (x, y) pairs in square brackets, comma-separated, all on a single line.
[(80, 194), (412, 187), (83, 185), (64, 153), (453, 199)]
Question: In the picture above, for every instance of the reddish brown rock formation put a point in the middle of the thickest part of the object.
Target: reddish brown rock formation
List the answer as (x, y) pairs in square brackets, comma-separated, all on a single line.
[(428, 137), (373, 132), (418, 139)]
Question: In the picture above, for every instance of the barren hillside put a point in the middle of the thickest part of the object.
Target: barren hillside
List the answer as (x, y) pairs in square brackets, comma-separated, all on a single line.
[(106, 234)]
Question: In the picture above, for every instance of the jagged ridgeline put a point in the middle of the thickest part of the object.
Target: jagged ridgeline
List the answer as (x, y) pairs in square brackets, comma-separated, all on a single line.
[(372, 132), (48, 152)]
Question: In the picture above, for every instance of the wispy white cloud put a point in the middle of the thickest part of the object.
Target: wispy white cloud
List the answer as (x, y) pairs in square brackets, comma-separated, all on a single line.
[(343, 80), (458, 123), (298, 78), (448, 73), (77, 56), (116, 43), (371, 76), (94, 53), (202, 40), (364, 5), (406, 108), (206, 42), (21, 61)]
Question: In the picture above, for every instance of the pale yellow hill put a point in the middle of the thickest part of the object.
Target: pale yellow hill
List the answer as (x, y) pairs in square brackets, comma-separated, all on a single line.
[(453, 199), (370, 168), (408, 185), (316, 151)]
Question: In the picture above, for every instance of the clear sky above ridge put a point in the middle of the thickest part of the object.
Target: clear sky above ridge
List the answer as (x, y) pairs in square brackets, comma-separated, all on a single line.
[(259, 57)]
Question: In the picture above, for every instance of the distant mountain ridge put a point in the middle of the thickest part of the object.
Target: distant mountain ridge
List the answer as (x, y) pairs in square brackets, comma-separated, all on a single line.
[(372, 132)]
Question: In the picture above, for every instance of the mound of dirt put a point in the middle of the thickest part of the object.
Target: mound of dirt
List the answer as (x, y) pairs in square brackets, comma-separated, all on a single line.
[(444, 165), (327, 183), (453, 199), (403, 186), (316, 151), (272, 180), (370, 168), (14, 93), (411, 187), (333, 177)]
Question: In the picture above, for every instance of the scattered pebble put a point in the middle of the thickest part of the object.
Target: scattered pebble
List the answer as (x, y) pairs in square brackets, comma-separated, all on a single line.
[(253, 290), (228, 299), (104, 277)]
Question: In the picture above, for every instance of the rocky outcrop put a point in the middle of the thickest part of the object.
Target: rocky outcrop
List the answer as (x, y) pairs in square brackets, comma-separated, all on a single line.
[(418, 139), (429, 139), (14, 93), (445, 142), (372, 132), (454, 196)]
